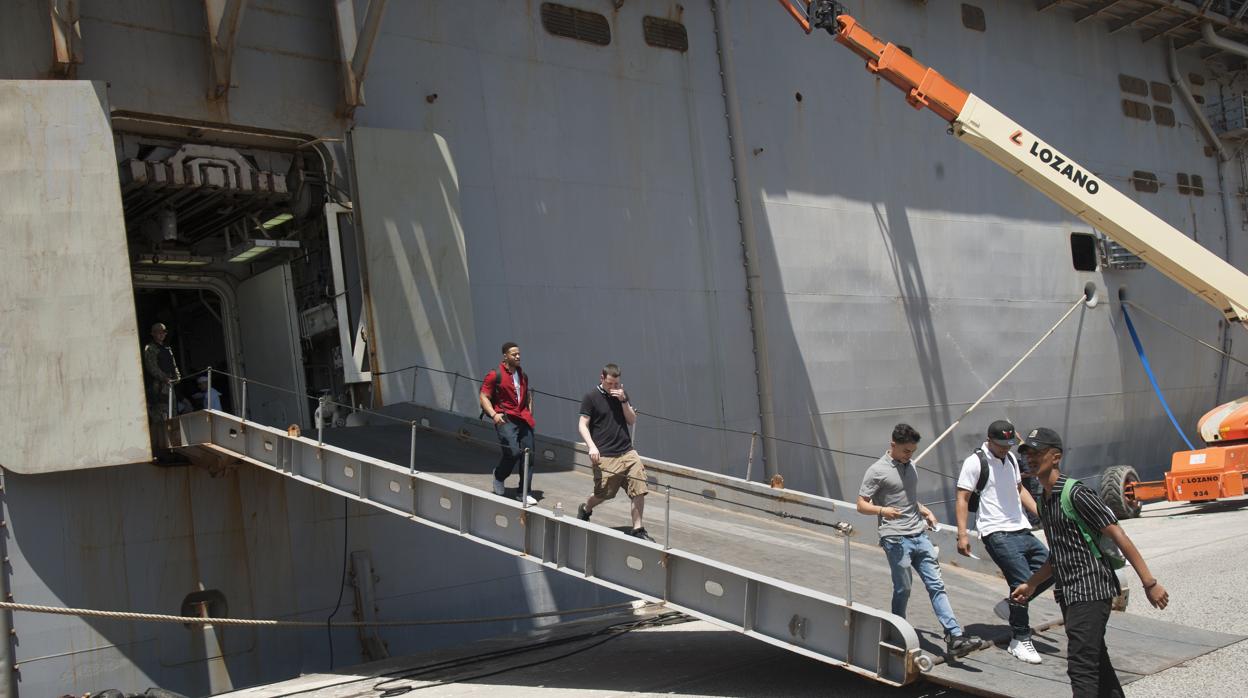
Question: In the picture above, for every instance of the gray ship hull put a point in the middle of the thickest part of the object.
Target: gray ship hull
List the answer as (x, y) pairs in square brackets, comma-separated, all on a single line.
[(593, 215)]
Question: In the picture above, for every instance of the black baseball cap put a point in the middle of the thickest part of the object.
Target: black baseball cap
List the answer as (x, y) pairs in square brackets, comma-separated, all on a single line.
[(1039, 438), (1002, 433)]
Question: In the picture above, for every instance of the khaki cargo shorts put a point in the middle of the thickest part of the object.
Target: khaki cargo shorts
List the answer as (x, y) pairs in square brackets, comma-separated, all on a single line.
[(614, 472)]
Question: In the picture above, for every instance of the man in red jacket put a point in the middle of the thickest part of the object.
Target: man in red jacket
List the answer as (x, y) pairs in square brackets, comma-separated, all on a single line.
[(506, 400)]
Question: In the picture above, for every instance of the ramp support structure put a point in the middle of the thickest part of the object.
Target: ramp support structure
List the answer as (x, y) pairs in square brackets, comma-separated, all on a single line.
[(865, 640)]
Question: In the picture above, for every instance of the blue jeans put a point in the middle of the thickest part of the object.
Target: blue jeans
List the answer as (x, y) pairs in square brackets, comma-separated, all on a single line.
[(915, 552), (1018, 554), (514, 436)]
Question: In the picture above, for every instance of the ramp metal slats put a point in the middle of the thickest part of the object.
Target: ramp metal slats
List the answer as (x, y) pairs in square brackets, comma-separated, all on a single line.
[(815, 624)]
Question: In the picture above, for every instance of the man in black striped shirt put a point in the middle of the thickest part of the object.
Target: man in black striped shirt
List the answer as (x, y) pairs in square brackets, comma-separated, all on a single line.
[(1085, 583)]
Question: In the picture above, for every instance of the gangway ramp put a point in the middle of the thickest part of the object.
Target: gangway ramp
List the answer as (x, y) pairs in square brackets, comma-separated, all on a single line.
[(738, 558)]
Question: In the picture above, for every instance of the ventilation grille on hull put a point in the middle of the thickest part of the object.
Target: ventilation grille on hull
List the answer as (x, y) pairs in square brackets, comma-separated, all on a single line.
[(664, 33), (572, 23)]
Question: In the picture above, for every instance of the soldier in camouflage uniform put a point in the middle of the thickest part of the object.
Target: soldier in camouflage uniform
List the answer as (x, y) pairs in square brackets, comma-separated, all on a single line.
[(161, 370)]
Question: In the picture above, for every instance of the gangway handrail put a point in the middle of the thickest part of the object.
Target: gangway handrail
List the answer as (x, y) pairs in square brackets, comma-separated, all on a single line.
[(816, 624), (728, 491), (806, 499)]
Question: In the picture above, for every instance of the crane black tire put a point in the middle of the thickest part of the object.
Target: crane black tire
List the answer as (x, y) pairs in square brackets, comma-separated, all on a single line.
[(1113, 491)]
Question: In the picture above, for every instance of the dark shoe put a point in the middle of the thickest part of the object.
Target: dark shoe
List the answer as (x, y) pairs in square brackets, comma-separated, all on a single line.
[(582, 514), (958, 645), (641, 533)]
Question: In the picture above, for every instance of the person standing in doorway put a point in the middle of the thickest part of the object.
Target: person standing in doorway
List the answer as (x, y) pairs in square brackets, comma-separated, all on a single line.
[(606, 417), (1085, 579), (506, 399), (162, 372), (991, 484), (889, 491)]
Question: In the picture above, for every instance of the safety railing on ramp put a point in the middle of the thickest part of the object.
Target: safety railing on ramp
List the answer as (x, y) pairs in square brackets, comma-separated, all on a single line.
[(823, 626)]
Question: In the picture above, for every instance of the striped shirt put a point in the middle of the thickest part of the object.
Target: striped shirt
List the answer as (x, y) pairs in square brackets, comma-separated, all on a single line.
[(1078, 575)]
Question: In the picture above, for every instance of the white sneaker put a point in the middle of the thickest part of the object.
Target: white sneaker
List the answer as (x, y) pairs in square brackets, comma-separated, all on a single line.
[(499, 489), (528, 499), (1024, 650)]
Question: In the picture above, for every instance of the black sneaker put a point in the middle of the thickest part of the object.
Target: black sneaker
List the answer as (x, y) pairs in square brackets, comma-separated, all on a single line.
[(582, 514), (959, 645), (641, 533)]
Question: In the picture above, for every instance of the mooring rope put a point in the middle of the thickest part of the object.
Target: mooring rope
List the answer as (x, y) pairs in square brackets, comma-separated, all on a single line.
[(269, 623), (1000, 380)]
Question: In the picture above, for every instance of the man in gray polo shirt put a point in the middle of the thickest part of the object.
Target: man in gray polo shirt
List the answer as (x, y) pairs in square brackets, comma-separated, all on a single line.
[(890, 492)]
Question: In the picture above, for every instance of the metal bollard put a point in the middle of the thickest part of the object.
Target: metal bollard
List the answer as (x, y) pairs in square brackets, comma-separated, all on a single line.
[(411, 458), (749, 463), (524, 477), (667, 517)]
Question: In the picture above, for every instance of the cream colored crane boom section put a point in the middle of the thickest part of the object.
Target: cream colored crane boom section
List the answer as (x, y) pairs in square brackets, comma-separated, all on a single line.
[(1002, 140)]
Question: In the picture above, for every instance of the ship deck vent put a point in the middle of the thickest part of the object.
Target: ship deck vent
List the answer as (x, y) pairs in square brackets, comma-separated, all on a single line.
[(1132, 85), (1229, 117), (1145, 182), (1118, 258), (1136, 110), (572, 23), (1161, 92), (1191, 185), (973, 17), (1164, 116), (665, 33)]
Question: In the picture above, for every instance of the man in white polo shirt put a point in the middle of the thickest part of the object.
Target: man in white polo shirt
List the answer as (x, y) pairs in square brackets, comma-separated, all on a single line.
[(991, 485)]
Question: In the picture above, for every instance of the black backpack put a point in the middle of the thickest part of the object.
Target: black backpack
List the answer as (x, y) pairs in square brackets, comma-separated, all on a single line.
[(973, 504)]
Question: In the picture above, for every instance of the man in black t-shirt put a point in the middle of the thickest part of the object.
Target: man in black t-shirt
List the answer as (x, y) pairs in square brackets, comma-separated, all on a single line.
[(606, 416)]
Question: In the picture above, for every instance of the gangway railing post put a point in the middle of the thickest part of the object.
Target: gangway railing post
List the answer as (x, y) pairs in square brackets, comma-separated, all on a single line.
[(171, 385), (667, 517), (320, 421), (208, 402), (524, 478), (845, 529), (849, 572), (242, 410), (411, 455), (749, 461), (454, 386)]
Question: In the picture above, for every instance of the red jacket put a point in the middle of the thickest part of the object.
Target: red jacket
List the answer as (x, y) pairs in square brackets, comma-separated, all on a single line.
[(501, 391)]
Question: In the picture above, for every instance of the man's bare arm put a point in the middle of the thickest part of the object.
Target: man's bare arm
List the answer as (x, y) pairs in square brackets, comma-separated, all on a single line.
[(582, 426), (1029, 502), (866, 506), (1157, 594), (962, 511)]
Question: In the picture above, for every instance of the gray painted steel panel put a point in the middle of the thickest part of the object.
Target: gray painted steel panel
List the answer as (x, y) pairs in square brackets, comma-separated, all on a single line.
[(416, 260), (69, 357), (272, 353)]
